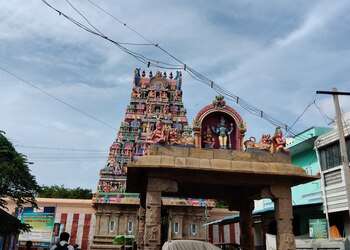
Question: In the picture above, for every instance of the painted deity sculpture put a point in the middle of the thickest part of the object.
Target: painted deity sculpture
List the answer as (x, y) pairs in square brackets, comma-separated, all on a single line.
[(152, 117), (157, 135), (274, 144), (208, 138), (223, 133), (278, 143)]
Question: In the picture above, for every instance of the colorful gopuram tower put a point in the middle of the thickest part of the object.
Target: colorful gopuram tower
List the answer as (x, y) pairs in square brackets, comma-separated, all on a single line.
[(155, 115), (153, 98)]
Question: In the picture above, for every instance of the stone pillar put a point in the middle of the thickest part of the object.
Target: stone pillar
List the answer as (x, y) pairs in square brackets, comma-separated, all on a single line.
[(98, 221), (284, 217), (246, 224), (152, 235), (141, 222), (109, 216), (104, 223), (153, 220)]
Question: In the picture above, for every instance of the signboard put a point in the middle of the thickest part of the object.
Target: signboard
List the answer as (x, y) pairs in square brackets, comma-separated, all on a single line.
[(42, 222), (318, 228)]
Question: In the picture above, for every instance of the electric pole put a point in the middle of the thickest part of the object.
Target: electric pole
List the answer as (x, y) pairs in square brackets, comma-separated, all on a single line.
[(342, 144)]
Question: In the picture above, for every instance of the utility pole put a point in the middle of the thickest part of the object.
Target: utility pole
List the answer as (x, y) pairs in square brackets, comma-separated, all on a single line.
[(343, 151)]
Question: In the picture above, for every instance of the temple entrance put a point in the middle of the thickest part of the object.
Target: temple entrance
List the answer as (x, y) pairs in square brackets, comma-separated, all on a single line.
[(240, 177)]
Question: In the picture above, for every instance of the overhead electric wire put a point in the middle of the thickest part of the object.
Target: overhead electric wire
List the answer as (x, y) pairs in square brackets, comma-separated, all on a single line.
[(307, 107), (84, 18), (325, 116), (193, 73), (63, 149), (199, 77), (57, 99), (121, 22), (136, 55)]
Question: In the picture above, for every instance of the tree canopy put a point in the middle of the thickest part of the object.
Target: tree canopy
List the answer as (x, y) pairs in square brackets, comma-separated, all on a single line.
[(63, 192), (16, 181)]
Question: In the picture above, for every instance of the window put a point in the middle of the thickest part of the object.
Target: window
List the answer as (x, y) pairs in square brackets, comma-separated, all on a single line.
[(330, 155), (193, 229), (176, 228), (130, 227), (112, 225)]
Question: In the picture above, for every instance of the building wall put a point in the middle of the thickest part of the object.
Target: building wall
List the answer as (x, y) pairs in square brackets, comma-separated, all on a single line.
[(77, 216), (229, 233), (310, 192), (333, 175), (303, 155)]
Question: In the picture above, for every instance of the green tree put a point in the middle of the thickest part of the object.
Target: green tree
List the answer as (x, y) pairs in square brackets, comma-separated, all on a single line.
[(63, 192), (16, 181)]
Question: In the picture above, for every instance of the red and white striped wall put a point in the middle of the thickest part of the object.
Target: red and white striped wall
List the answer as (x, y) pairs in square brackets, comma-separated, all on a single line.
[(224, 233), (80, 227)]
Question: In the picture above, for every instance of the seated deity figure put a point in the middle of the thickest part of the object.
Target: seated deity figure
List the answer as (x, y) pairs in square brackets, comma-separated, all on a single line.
[(208, 138), (223, 133), (157, 135), (173, 136), (278, 143)]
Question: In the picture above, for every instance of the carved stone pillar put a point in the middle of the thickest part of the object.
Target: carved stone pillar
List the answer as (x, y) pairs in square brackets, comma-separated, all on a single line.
[(98, 221), (284, 217), (104, 224), (246, 224), (152, 234), (117, 218), (153, 220), (141, 222)]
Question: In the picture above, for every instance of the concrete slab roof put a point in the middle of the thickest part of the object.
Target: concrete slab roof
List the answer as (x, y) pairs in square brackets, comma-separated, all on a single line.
[(217, 174)]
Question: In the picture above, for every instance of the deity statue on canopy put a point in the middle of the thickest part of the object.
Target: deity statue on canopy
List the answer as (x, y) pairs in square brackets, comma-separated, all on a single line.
[(223, 132)]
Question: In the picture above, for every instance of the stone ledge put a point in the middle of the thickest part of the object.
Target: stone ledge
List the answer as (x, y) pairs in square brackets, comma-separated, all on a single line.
[(219, 154), (239, 166)]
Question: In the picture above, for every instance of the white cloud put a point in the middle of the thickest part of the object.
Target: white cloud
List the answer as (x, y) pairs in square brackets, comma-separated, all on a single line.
[(273, 54)]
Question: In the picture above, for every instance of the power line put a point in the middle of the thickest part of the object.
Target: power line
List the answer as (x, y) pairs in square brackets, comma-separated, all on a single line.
[(62, 149), (307, 107), (193, 73), (217, 88), (57, 99), (325, 116), (143, 59)]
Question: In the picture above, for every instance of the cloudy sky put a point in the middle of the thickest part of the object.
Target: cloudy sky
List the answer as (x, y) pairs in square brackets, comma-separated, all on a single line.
[(273, 54)]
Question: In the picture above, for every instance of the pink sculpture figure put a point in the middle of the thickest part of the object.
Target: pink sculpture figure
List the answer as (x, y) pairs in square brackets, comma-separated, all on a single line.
[(278, 143), (157, 135)]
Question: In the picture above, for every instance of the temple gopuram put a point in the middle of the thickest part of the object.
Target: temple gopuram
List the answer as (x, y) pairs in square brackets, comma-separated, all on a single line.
[(155, 116), (157, 161)]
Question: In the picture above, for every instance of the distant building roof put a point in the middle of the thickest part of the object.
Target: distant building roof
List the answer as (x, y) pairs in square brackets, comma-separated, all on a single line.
[(305, 140), (258, 212)]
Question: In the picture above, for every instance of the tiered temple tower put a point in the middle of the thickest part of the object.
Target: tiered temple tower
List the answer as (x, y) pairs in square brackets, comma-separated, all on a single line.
[(154, 98), (155, 115)]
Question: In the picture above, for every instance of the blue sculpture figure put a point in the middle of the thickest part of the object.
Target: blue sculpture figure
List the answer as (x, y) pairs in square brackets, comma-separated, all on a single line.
[(223, 133)]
